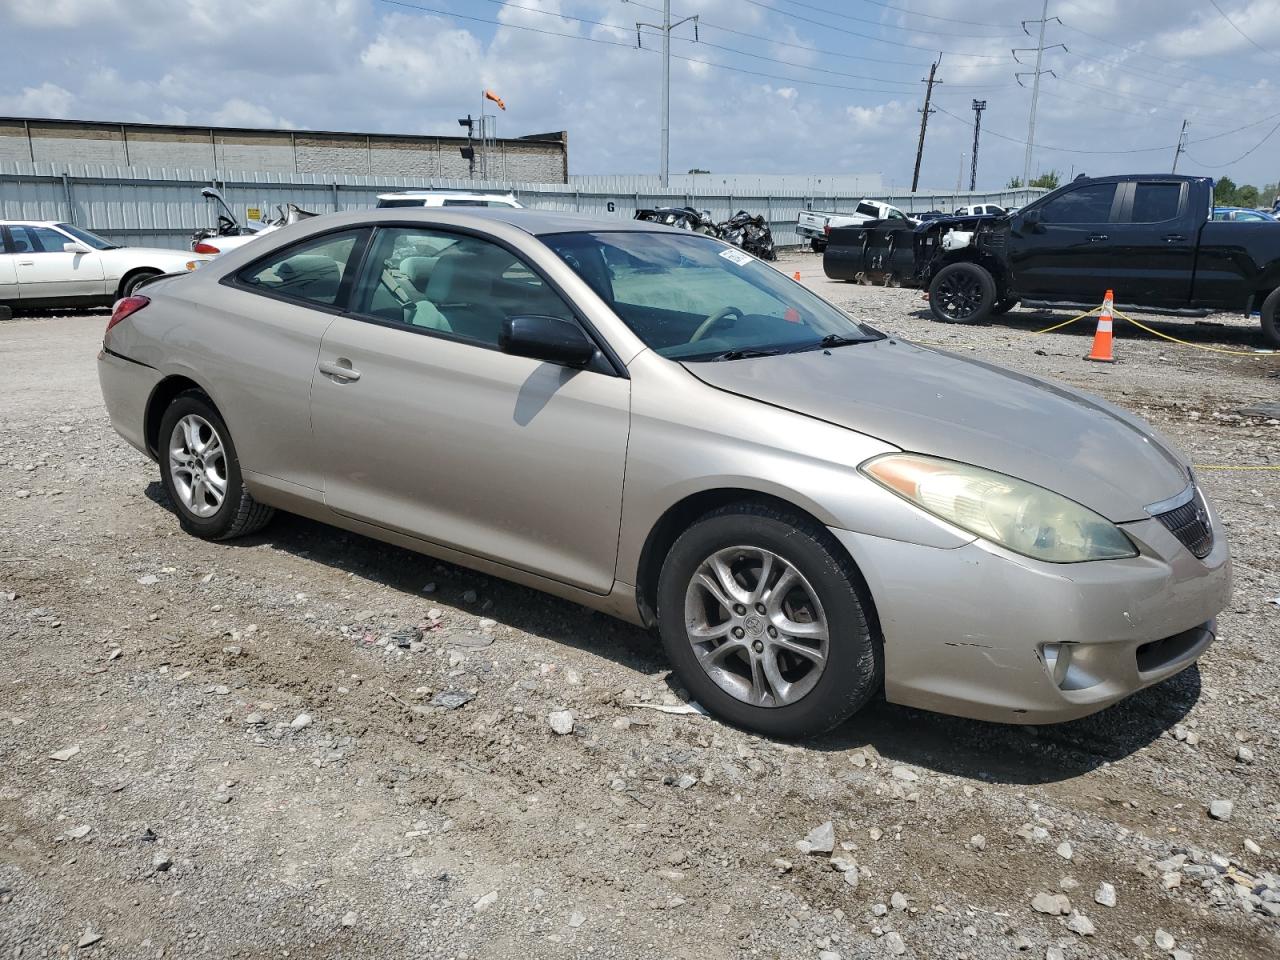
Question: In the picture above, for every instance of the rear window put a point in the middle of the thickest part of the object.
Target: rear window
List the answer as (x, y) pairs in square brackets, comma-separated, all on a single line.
[(1154, 202), (476, 203), (401, 203), (867, 210)]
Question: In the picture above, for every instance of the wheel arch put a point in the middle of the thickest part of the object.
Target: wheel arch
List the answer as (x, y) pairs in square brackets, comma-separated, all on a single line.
[(135, 272), (162, 395), (680, 515)]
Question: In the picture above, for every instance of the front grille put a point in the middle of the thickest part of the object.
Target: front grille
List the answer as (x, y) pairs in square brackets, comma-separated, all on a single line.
[(1190, 524)]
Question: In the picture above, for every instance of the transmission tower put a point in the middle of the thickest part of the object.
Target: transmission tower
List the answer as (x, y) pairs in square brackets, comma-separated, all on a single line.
[(1039, 50)]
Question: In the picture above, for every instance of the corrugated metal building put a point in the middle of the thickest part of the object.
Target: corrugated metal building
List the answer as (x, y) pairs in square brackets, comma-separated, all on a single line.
[(542, 158)]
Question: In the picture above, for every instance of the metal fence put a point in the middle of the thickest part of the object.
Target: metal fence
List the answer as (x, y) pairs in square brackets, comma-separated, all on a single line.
[(153, 207)]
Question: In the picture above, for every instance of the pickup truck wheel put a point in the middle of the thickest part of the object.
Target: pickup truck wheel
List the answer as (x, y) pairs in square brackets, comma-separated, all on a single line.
[(1271, 319), (1003, 306), (962, 293), (817, 246)]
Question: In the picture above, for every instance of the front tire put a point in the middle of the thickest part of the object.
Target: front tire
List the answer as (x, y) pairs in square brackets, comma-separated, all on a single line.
[(1271, 319), (766, 621), (201, 472), (134, 281), (962, 293)]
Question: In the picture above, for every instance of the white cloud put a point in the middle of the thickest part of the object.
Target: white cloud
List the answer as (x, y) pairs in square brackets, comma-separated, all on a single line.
[(46, 100)]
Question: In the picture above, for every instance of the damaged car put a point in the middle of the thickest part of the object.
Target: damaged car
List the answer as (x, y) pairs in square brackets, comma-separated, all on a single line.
[(1151, 238), (813, 512)]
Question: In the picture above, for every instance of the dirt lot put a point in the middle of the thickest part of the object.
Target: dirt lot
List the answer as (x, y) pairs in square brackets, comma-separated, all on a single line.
[(255, 766)]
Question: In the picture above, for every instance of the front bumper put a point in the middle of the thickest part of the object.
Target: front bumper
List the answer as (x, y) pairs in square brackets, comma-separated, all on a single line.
[(977, 631)]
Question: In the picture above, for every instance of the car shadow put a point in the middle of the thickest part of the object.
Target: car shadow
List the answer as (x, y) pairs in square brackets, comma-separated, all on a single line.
[(991, 752)]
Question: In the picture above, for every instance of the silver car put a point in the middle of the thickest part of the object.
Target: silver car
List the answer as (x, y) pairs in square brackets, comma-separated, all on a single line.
[(657, 425)]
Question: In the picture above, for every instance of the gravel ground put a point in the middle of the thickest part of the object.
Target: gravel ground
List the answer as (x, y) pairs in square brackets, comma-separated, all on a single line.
[(309, 744)]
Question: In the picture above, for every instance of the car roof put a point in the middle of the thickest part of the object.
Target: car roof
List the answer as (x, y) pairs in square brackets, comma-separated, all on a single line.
[(533, 222), (33, 223)]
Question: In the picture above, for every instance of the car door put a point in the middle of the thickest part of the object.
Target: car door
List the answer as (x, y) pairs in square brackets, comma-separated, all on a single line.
[(426, 427), (255, 338), (1060, 248), (1153, 243), (47, 272), (8, 270)]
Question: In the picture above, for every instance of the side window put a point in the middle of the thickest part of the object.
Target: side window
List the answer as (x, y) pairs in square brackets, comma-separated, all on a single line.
[(1087, 204), (31, 239), (1155, 202), (311, 271), (452, 284)]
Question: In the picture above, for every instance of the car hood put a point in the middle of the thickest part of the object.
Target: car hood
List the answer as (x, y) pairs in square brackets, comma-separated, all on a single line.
[(933, 402)]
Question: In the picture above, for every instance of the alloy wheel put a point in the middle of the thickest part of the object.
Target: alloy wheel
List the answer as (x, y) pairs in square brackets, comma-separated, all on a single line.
[(757, 626), (959, 295), (198, 465)]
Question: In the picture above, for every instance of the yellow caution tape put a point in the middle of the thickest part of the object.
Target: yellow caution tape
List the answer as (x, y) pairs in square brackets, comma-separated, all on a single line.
[(1219, 466), (1065, 323), (1185, 343)]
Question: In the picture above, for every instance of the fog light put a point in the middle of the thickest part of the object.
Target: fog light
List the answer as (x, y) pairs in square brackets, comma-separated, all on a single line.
[(1057, 658), (1071, 665)]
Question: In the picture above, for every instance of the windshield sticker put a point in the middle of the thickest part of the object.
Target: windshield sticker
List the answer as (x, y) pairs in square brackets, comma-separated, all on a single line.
[(736, 256)]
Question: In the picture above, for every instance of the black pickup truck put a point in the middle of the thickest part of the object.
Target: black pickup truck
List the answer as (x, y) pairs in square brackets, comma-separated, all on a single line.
[(1149, 237)]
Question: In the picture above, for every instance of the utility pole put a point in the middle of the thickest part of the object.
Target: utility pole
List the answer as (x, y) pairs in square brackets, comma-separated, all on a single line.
[(978, 107), (924, 120), (666, 27), (1039, 49), (1182, 146)]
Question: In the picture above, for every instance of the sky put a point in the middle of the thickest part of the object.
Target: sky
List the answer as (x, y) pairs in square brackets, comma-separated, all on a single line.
[(768, 86)]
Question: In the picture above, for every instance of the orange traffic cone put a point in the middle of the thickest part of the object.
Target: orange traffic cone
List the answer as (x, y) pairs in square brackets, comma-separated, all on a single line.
[(796, 276), (1102, 338)]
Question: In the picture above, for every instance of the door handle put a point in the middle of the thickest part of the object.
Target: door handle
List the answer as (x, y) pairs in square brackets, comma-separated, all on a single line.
[(26, 263), (1174, 238), (1095, 237), (339, 369)]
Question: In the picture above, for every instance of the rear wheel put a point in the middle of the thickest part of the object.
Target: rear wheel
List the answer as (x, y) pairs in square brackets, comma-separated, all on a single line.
[(765, 621), (817, 246), (1271, 319), (962, 293), (1004, 306), (201, 472)]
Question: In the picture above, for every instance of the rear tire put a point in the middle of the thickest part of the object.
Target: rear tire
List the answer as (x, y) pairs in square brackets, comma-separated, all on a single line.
[(1003, 306), (201, 472), (746, 666), (962, 293), (817, 246), (1271, 319)]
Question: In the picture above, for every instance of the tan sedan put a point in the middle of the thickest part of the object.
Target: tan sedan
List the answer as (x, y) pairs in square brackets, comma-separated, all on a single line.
[(659, 426)]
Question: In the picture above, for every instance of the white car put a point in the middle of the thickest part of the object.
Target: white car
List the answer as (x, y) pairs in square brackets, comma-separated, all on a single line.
[(46, 264), (448, 198), (981, 210)]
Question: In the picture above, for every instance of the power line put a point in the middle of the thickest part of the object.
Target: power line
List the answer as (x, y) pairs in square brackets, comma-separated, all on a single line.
[(890, 26), (1269, 53), (1138, 53), (866, 36), (1170, 146), (932, 16), (1229, 163), (617, 43)]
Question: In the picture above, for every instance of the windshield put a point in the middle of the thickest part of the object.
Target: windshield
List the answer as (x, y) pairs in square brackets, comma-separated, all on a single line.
[(689, 297), (87, 238)]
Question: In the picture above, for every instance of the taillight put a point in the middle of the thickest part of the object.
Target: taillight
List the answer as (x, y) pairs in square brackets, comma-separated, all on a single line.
[(203, 247), (826, 228), (124, 307)]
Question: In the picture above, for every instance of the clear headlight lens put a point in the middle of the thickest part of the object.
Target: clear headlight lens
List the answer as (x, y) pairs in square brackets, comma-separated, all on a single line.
[(1013, 513)]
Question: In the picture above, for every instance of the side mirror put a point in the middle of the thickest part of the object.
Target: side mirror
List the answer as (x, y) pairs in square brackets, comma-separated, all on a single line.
[(1031, 218), (547, 338), (75, 247)]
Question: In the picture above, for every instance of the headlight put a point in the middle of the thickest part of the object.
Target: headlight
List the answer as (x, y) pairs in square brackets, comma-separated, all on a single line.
[(1013, 513)]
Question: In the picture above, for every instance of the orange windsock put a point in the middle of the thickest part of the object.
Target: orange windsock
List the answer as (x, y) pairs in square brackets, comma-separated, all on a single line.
[(490, 95), (1102, 338)]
